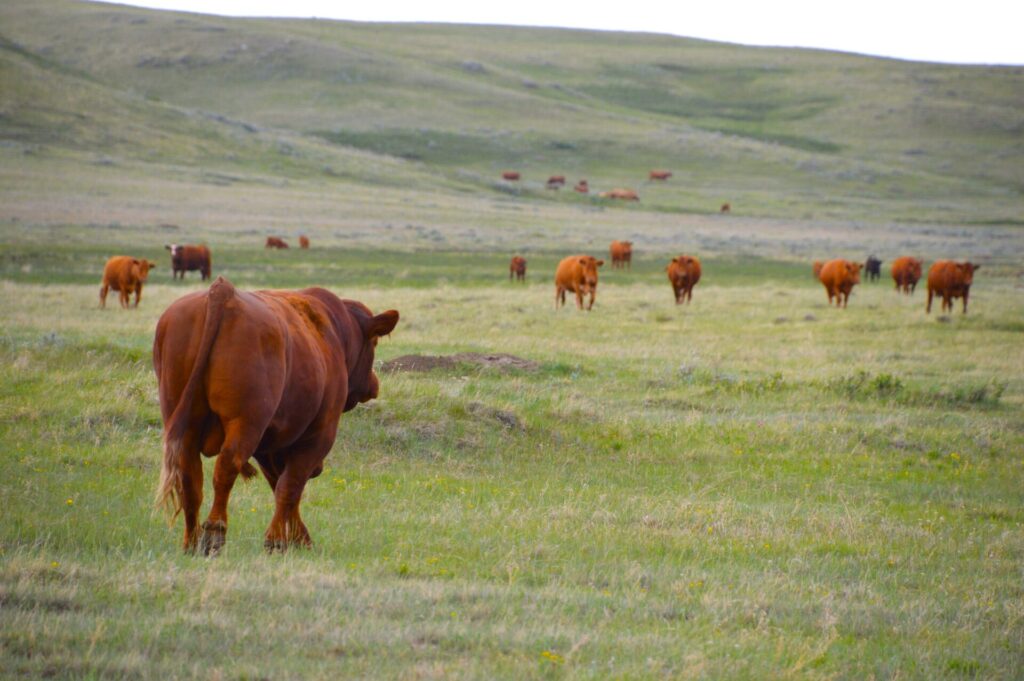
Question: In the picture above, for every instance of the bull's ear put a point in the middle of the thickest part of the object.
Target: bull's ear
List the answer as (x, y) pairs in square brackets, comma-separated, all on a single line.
[(135, 261), (382, 324), (974, 268), (152, 264), (600, 262), (167, 246), (583, 261)]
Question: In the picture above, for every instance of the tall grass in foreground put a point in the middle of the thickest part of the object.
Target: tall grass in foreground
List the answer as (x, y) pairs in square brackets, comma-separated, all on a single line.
[(752, 486)]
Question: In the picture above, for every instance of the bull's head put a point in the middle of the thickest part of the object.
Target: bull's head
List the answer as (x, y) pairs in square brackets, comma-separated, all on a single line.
[(363, 384), (590, 265), (175, 250)]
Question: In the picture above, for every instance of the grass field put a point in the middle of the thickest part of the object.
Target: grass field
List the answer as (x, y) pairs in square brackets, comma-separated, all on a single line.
[(752, 486)]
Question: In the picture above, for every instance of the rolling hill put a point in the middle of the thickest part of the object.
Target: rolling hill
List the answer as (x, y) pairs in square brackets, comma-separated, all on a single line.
[(778, 132)]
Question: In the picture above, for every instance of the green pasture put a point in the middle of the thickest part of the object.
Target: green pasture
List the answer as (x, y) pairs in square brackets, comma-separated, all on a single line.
[(752, 486)]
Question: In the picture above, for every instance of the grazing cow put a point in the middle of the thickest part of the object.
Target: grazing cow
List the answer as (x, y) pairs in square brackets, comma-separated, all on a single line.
[(577, 273), (275, 242), (950, 280), (556, 181), (906, 272), (623, 194), (517, 268), (816, 268), (622, 254), (683, 274), (582, 187), (873, 268), (839, 277), (303, 241), (510, 175), (659, 174), (263, 375), (126, 275), (725, 208), (188, 258)]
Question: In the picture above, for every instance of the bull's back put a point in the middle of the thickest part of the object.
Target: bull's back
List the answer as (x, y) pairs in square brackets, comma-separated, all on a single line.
[(944, 275)]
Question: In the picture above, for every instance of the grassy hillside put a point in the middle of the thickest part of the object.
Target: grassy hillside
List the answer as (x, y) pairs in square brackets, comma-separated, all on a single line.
[(787, 133)]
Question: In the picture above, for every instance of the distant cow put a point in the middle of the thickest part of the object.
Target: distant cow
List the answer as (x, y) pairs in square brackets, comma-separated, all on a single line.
[(839, 277), (950, 280), (261, 375), (725, 208), (582, 187), (623, 194), (683, 274), (275, 242), (188, 258), (126, 275), (816, 268), (517, 268), (621, 253), (659, 174), (556, 181), (577, 273), (303, 241), (906, 272), (873, 268), (510, 175)]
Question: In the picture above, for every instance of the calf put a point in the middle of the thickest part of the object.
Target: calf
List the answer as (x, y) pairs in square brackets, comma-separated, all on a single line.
[(906, 272), (188, 258), (126, 275), (683, 274), (517, 268), (275, 242), (621, 253), (950, 280), (839, 277), (873, 267), (577, 273)]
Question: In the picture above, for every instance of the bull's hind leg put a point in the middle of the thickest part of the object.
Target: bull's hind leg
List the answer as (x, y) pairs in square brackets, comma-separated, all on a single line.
[(240, 441), (286, 527), (191, 491)]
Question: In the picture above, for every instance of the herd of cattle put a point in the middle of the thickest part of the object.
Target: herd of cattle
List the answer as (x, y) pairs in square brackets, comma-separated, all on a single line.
[(264, 376), (582, 187), (578, 274)]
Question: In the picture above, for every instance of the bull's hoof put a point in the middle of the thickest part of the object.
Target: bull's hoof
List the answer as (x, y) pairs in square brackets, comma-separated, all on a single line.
[(214, 535)]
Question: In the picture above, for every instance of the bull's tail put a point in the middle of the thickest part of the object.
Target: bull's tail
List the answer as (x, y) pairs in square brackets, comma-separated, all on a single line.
[(169, 491)]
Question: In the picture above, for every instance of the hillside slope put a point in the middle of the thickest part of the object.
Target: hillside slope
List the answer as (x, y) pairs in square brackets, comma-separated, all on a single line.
[(778, 132)]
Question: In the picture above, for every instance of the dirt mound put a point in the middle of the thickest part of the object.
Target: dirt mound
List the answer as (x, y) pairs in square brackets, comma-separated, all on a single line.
[(499, 361)]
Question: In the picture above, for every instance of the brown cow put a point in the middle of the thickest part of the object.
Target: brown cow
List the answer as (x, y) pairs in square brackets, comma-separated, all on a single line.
[(263, 375), (659, 174), (517, 268), (126, 275), (623, 194), (510, 175), (187, 258), (275, 242), (950, 280), (683, 274), (556, 181), (582, 187), (839, 277), (303, 241), (622, 254), (577, 273), (906, 272), (725, 208), (816, 268)]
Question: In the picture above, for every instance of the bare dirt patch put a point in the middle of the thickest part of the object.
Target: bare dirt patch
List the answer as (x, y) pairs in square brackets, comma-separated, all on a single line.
[(500, 361)]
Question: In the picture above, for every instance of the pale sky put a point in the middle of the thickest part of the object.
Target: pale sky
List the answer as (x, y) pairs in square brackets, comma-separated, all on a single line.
[(978, 32)]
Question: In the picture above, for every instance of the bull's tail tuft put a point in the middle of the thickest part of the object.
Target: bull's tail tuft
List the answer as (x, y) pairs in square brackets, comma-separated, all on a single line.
[(169, 491)]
